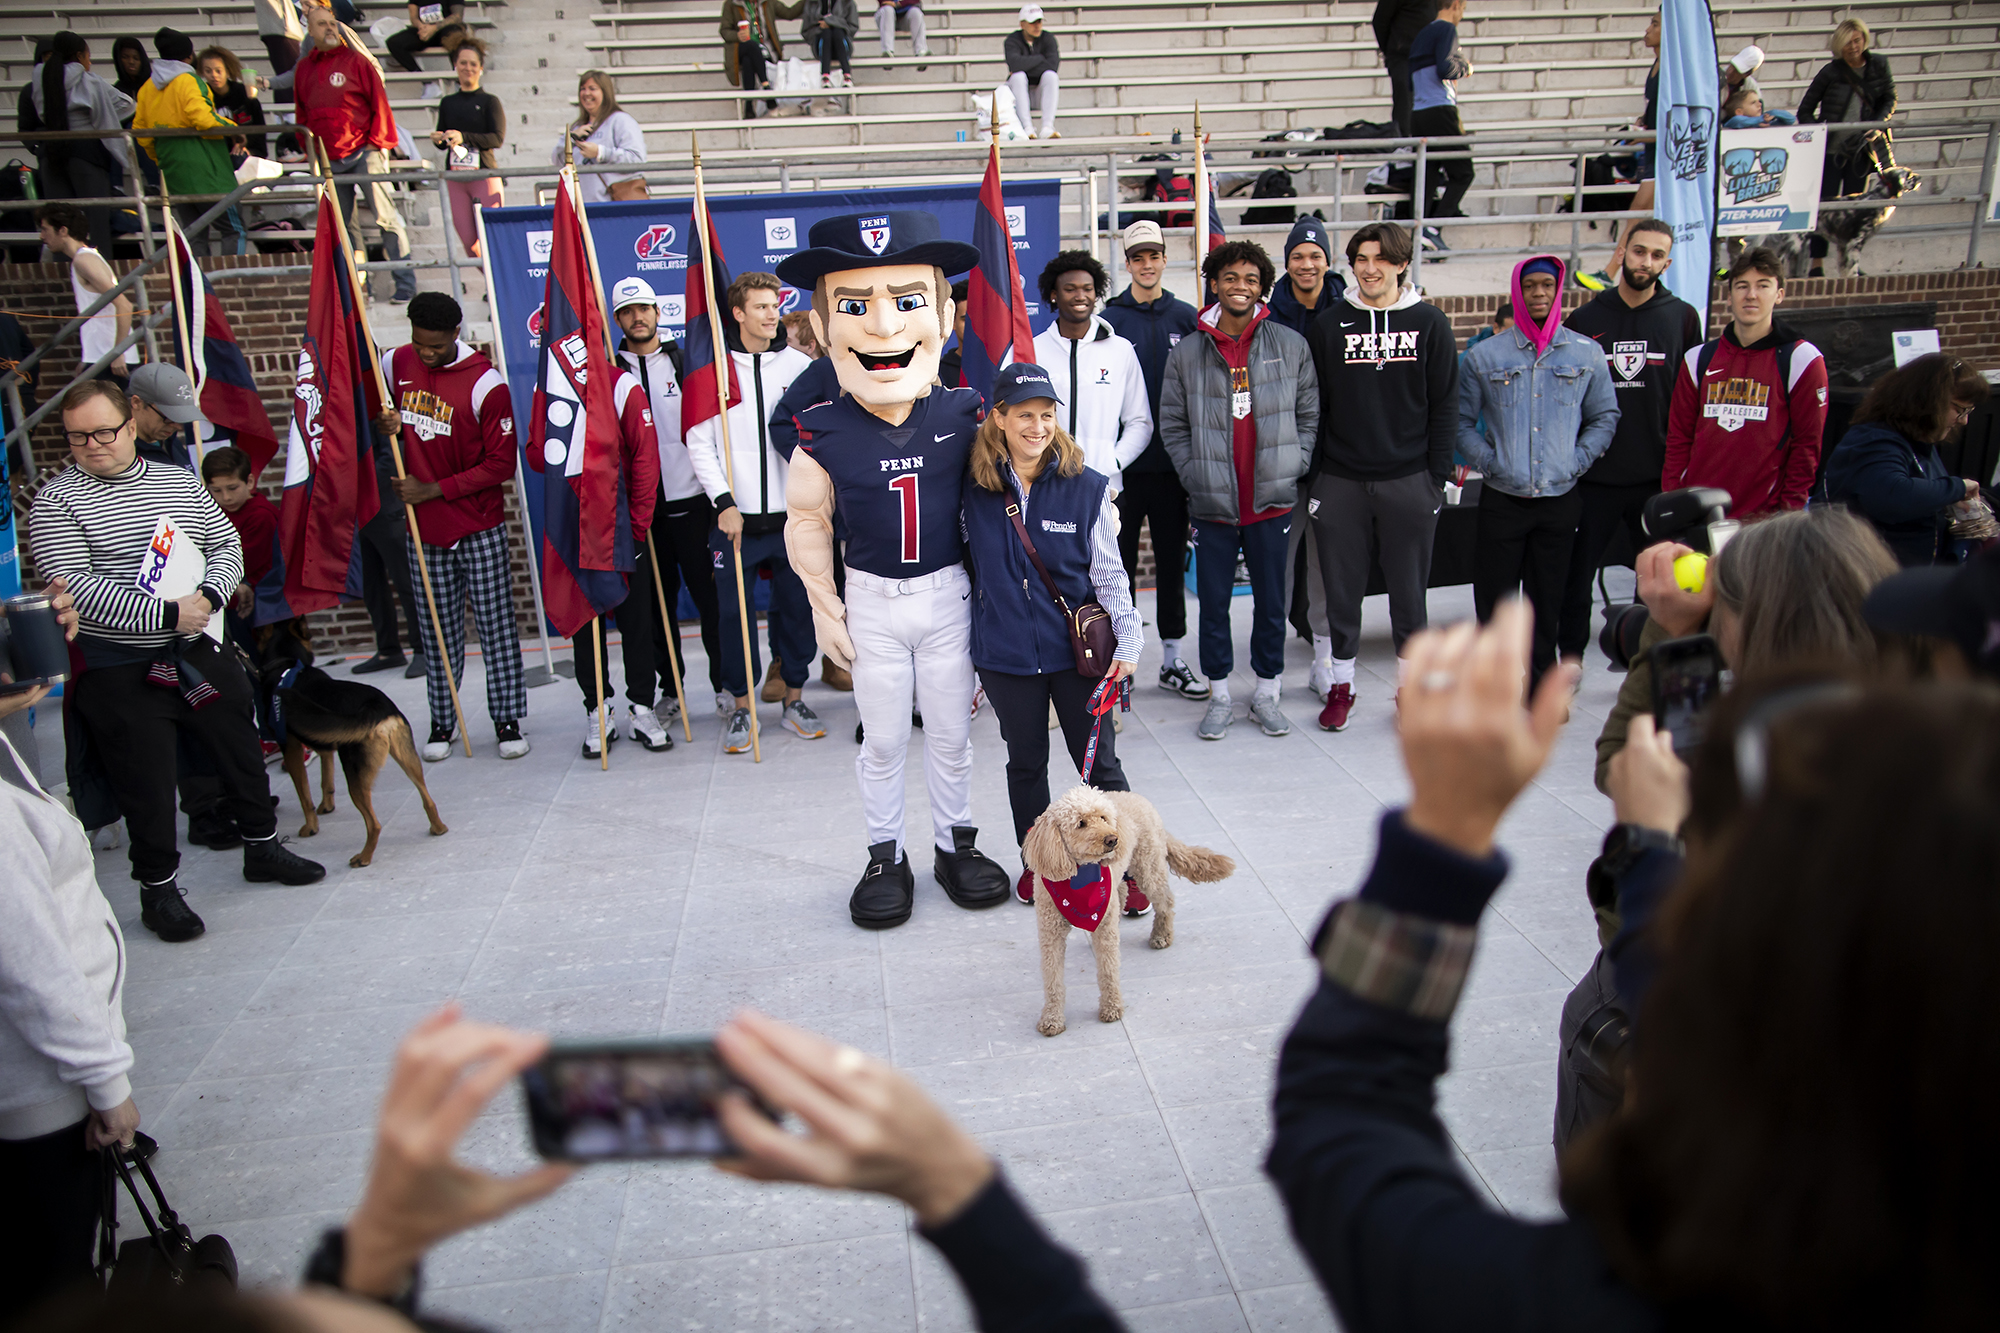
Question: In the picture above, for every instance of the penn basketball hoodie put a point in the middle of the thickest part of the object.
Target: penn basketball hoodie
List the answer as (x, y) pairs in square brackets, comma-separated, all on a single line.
[(1388, 389)]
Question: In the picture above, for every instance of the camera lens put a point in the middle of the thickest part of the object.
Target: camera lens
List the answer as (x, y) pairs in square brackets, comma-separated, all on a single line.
[(1620, 637)]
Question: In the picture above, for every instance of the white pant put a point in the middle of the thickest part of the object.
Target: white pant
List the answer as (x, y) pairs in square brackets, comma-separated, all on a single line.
[(885, 28), (1045, 97), (913, 644)]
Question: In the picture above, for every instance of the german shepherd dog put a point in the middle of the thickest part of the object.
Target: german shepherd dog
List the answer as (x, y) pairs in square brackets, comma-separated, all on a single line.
[(357, 720)]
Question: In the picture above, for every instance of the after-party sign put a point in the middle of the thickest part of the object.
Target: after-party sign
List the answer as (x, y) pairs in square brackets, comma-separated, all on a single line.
[(649, 239), (1769, 180)]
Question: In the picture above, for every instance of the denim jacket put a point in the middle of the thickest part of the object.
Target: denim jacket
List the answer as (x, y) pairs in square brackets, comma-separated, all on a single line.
[(1547, 417)]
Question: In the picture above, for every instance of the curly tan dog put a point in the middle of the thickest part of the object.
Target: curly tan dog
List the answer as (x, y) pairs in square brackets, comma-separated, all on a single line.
[(1121, 831)]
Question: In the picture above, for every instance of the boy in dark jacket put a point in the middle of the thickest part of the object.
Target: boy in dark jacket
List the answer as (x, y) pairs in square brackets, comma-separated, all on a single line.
[(1645, 331), (1308, 288)]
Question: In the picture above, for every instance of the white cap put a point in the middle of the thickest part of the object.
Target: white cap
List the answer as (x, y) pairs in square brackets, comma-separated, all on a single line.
[(1748, 59), (632, 291), (1144, 232), (1031, 13)]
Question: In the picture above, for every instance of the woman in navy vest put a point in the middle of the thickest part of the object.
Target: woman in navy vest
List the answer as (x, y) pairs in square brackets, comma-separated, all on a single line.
[(1020, 643)]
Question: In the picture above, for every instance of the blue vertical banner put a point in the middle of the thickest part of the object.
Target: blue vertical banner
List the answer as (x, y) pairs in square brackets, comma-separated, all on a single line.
[(652, 238), (1684, 173)]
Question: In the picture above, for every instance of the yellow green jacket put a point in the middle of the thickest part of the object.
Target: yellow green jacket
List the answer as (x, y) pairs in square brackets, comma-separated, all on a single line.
[(176, 98)]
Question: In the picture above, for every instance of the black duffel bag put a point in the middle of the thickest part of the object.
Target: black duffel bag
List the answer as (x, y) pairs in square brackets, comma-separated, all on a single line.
[(168, 1255)]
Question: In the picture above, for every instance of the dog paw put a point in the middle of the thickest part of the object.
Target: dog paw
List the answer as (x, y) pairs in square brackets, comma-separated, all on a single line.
[(326, 806), (1109, 1013), (359, 860), (1052, 1025), (1161, 939), (439, 830), (309, 830)]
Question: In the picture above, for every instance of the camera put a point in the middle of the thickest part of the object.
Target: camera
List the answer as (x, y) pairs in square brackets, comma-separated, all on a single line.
[(1694, 516)]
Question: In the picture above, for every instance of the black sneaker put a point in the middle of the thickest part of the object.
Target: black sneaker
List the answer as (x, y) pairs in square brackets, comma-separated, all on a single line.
[(887, 889), (380, 662), (268, 860), (214, 830), (969, 877), (1182, 681), (165, 912)]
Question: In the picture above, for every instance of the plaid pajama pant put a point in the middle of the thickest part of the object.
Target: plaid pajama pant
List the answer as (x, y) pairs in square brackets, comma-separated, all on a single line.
[(476, 568)]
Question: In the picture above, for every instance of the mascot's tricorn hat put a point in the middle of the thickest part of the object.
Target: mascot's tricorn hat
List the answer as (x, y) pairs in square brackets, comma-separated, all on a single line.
[(871, 240)]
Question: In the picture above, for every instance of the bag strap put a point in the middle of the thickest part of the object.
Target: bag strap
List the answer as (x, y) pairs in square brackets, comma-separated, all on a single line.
[(1021, 531)]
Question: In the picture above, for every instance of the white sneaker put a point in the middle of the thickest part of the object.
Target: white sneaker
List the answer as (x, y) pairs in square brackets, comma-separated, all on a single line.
[(593, 743), (725, 704), (438, 748), (668, 710), (1322, 679), (646, 729), (513, 745)]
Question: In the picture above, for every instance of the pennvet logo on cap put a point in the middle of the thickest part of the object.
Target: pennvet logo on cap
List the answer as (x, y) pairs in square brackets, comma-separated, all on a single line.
[(875, 233), (1021, 381)]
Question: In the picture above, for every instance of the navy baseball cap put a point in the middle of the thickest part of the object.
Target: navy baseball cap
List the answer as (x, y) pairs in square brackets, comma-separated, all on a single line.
[(864, 240), (1021, 381), (1959, 603)]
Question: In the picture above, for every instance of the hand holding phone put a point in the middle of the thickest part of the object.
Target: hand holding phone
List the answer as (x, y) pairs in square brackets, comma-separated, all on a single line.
[(1687, 678), (608, 1100)]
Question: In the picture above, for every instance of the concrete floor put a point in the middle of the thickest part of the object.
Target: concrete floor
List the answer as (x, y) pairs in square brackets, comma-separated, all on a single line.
[(660, 896)]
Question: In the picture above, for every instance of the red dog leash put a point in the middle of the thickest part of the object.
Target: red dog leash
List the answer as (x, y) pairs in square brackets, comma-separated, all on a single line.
[(1102, 700)]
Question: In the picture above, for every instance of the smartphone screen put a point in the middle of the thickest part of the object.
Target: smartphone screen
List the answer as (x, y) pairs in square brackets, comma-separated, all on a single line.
[(1687, 678), (601, 1101)]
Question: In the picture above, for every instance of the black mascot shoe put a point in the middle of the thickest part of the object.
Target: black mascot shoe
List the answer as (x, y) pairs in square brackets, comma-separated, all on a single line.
[(269, 859), (887, 889), (970, 878)]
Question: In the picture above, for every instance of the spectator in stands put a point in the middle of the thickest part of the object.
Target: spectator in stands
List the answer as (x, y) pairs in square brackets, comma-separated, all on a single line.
[(1436, 66), (1095, 372), (891, 14), (1645, 332), (1545, 392), (457, 424), (602, 133), (341, 98), (1745, 111), (1855, 85), (225, 471), (434, 25), (175, 97), (150, 671), (234, 98), (1887, 466), (1388, 417), (1396, 24), (1032, 62), (65, 1086), (133, 66), (471, 126), (1740, 69), (278, 28), (1239, 412), (1154, 320), (682, 515), (829, 27), (1749, 407), (750, 31), (1785, 594), (751, 518), (65, 94), (951, 364), (62, 226)]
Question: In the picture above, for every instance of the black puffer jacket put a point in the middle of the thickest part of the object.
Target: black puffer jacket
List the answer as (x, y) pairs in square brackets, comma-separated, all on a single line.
[(1827, 97)]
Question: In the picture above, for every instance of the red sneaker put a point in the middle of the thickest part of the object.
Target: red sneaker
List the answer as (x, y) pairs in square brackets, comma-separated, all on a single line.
[(1024, 888), (272, 751), (1339, 703), (1136, 903)]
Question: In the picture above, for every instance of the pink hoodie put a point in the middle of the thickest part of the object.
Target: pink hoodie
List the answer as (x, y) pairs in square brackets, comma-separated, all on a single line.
[(1539, 337)]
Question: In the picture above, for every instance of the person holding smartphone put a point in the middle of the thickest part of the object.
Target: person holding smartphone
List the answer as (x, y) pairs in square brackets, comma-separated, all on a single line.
[(602, 133), (1026, 469)]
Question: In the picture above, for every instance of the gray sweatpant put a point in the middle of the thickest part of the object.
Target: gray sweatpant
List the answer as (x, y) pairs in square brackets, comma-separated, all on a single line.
[(1351, 520)]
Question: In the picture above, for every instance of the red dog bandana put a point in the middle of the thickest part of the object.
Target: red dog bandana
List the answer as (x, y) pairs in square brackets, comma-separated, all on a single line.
[(1082, 901)]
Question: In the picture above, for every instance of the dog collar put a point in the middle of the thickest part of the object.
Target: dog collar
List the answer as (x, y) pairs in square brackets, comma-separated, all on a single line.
[(1082, 900)]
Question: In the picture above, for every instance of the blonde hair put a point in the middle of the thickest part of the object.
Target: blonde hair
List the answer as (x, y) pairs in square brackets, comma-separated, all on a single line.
[(1846, 29), (989, 450)]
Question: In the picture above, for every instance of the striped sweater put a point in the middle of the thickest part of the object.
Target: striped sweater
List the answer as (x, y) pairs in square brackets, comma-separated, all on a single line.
[(97, 532)]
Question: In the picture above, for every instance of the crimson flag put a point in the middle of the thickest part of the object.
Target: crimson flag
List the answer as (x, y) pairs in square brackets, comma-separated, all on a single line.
[(996, 309)]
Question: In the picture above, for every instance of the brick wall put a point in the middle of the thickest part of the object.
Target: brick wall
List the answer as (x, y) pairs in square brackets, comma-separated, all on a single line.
[(268, 313)]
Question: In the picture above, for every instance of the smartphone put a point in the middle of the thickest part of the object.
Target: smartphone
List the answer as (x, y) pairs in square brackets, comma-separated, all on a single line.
[(601, 1101), (1687, 678)]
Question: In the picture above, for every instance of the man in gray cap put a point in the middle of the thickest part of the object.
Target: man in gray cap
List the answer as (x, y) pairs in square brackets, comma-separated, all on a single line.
[(162, 402)]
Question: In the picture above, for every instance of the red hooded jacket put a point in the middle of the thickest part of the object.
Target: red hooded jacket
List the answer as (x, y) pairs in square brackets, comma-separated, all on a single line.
[(1742, 429)]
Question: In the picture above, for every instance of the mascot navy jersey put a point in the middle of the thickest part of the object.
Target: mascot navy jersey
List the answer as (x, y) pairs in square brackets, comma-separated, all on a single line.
[(896, 487)]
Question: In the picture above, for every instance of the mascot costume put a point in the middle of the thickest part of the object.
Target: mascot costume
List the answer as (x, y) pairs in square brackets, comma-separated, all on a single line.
[(889, 451)]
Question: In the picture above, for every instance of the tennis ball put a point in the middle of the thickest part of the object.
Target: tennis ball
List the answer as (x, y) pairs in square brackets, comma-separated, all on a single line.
[(1691, 571)]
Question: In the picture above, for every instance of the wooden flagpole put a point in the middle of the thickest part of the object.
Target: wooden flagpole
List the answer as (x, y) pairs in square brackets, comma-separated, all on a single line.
[(745, 613), (180, 315), (569, 183), (395, 445)]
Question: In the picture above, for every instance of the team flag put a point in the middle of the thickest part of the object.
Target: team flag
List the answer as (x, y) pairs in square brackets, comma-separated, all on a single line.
[(224, 389), (707, 280), (587, 524), (329, 457), (996, 310)]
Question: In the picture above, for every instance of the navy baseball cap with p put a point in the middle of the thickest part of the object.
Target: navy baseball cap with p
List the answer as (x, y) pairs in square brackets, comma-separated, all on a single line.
[(1021, 381)]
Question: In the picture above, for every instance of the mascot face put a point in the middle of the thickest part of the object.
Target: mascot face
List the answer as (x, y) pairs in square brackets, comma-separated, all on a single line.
[(884, 328)]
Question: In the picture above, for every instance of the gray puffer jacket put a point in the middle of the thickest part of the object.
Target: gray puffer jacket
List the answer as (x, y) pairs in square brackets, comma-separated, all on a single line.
[(1196, 428)]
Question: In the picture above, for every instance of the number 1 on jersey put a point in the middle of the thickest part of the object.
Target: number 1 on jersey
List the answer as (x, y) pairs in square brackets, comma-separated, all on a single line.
[(906, 486)]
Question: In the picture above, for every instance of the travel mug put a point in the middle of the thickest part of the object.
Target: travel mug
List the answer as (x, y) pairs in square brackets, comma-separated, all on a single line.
[(32, 650)]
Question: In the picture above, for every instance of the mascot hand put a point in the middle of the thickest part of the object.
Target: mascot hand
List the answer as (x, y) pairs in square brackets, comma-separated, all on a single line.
[(833, 641)]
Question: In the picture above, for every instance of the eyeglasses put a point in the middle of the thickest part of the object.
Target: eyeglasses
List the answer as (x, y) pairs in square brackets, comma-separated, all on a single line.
[(76, 439), (1753, 733)]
